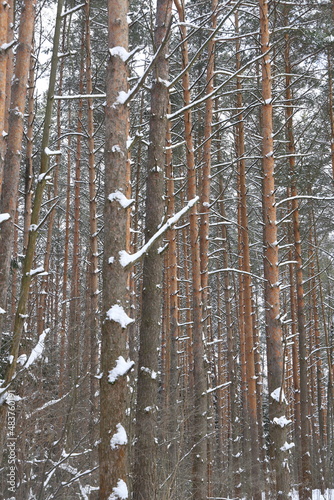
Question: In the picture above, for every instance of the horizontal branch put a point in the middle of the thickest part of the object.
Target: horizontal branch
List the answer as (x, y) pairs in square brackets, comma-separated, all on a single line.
[(232, 269), (79, 96), (305, 197)]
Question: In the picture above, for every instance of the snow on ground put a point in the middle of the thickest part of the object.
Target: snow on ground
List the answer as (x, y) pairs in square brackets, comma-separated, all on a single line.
[(316, 495)]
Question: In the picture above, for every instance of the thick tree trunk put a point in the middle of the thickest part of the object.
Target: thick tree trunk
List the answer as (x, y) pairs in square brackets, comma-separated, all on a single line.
[(277, 404), (145, 467), (114, 366), (8, 200), (4, 8)]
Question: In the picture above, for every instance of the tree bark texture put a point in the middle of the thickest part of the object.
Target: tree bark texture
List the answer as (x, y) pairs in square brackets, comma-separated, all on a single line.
[(145, 466), (8, 200), (275, 358), (113, 468)]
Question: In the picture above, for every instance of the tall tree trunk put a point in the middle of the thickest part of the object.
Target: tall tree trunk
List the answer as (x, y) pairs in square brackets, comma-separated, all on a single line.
[(28, 260), (199, 376), (113, 448), (247, 312), (172, 327), (234, 448), (306, 487), (277, 404), (74, 312), (145, 467), (93, 258), (331, 105), (28, 191), (206, 170), (4, 8), (8, 200), (64, 308)]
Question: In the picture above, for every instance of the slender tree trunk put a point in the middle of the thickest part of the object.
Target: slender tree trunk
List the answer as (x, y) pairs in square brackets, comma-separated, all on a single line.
[(295, 362), (145, 467), (113, 448), (305, 487), (331, 104), (247, 312), (234, 455), (199, 376), (206, 171), (28, 192), (93, 258), (172, 326), (64, 308), (319, 391), (74, 312), (277, 404)]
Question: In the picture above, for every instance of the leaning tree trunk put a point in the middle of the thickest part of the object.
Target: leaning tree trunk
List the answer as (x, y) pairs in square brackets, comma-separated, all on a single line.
[(145, 467), (275, 357)]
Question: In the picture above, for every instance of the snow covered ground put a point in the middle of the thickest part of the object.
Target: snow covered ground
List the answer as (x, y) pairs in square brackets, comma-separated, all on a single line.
[(316, 495)]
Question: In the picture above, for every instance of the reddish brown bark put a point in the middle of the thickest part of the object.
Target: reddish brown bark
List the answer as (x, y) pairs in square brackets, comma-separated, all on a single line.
[(8, 200), (113, 394), (200, 386), (4, 8), (277, 406)]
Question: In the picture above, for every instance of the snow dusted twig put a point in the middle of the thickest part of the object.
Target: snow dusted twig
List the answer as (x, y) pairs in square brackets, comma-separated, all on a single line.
[(221, 386), (37, 350), (232, 269), (215, 91), (204, 45), (306, 197), (71, 11), (128, 260), (33, 228), (79, 96), (142, 79)]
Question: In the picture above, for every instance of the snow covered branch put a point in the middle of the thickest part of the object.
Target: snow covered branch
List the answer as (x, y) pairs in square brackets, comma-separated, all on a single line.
[(128, 260)]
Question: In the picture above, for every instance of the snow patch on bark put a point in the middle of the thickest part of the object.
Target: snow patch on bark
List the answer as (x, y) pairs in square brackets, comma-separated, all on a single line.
[(119, 438), (120, 491), (120, 52), (122, 368), (281, 421), (121, 198), (4, 217), (116, 313), (278, 395), (287, 446)]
